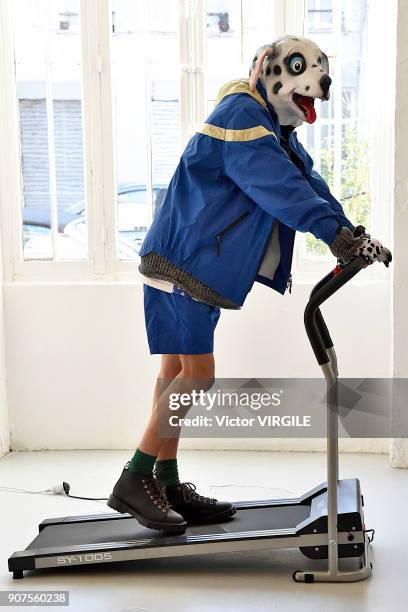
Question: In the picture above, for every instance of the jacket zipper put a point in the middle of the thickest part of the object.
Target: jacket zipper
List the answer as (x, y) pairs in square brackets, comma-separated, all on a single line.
[(227, 229), (289, 281)]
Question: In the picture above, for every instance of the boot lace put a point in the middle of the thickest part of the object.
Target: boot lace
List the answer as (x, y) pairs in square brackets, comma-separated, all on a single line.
[(189, 491), (156, 493)]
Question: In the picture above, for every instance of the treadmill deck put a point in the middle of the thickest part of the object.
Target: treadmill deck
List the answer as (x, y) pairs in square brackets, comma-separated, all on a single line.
[(125, 528)]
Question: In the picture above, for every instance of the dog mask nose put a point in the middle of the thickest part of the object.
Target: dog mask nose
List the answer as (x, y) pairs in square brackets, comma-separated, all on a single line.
[(325, 83)]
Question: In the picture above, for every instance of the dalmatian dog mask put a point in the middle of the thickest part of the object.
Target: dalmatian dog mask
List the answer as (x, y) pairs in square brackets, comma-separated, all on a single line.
[(294, 71)]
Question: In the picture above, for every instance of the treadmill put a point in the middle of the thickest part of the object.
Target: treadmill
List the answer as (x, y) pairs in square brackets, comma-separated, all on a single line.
[(324, 523)]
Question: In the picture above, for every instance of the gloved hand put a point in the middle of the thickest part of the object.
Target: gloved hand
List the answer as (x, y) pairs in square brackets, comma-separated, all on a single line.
[(360, 230), (346, 246)]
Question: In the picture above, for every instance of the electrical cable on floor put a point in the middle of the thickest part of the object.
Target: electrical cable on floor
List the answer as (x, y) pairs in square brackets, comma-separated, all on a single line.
[(64, 489), (58, 489)]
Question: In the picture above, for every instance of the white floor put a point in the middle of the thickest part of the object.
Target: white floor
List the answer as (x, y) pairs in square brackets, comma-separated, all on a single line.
[(234, 582)]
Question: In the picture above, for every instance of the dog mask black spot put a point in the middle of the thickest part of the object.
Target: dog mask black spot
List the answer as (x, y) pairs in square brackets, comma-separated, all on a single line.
[(276, 87)]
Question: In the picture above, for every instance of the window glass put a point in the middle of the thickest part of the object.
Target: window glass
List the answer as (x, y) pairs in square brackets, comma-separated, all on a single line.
[(145, 70), (338, 140), (234, 32), (320, 16), (49, 93)]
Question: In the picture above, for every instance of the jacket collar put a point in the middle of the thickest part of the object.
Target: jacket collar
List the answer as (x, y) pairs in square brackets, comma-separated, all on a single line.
[(239, 86), (259, 94)]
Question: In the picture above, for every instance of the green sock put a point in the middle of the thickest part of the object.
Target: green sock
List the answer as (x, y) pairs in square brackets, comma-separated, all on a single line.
[(142, 463), (166, 472)]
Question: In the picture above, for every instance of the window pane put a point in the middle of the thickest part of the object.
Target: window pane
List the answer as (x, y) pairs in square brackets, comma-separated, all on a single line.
[(320, 16), (48, 79), (338, 141), (223, 45), (234, 33), (145, 68)]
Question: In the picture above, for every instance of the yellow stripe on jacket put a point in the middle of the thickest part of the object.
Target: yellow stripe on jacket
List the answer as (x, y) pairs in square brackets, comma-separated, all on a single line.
[(235, 135)]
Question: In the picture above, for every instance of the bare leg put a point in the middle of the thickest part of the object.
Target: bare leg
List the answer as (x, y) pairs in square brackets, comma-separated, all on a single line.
[(170, 368), (194, 368)]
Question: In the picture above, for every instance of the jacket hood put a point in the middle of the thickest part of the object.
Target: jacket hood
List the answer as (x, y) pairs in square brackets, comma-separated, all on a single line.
[(241, 86)]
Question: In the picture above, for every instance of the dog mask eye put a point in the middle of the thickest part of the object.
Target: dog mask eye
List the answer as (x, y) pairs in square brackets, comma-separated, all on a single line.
[(296, 64)]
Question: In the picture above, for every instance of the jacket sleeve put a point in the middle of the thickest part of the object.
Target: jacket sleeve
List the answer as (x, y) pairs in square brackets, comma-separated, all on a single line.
[(262, 170), (322, 189)]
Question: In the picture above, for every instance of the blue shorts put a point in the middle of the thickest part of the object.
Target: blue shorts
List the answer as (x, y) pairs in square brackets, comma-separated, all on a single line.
[(177, 324)]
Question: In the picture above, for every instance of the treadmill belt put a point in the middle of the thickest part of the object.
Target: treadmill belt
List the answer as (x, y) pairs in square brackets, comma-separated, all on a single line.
[(92, 532), (278, 517), (127, 529)]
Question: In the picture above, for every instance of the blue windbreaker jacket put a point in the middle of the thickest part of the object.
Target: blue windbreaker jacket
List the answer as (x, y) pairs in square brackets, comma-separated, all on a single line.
[(236, 199)]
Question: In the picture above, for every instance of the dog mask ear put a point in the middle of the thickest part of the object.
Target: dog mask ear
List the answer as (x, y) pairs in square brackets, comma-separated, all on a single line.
[(269, 51), (325, 62)]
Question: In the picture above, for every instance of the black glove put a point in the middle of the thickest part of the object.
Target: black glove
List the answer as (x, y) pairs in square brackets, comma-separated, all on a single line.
[(346, 246)]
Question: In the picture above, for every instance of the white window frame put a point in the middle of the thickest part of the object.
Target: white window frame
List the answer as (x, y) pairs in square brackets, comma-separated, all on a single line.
[(15, 267), (381, 145), (100, 181)]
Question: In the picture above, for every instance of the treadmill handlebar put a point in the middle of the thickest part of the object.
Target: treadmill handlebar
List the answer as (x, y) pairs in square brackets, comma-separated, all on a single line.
[(315, 325)]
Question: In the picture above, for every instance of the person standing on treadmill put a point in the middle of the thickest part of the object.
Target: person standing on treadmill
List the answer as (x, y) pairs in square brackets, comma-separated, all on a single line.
[(243, 187)]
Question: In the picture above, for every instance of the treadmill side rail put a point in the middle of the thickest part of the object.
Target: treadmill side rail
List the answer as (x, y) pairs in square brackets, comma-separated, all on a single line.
[(113, 552)]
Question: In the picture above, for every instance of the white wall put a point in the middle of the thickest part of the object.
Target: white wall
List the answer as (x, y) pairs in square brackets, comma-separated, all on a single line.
[(79, 373), (399, 450), (80, 376), (4, 426)]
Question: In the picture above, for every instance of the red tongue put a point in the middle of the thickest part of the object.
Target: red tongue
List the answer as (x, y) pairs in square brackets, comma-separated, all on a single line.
[(307, 105)]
